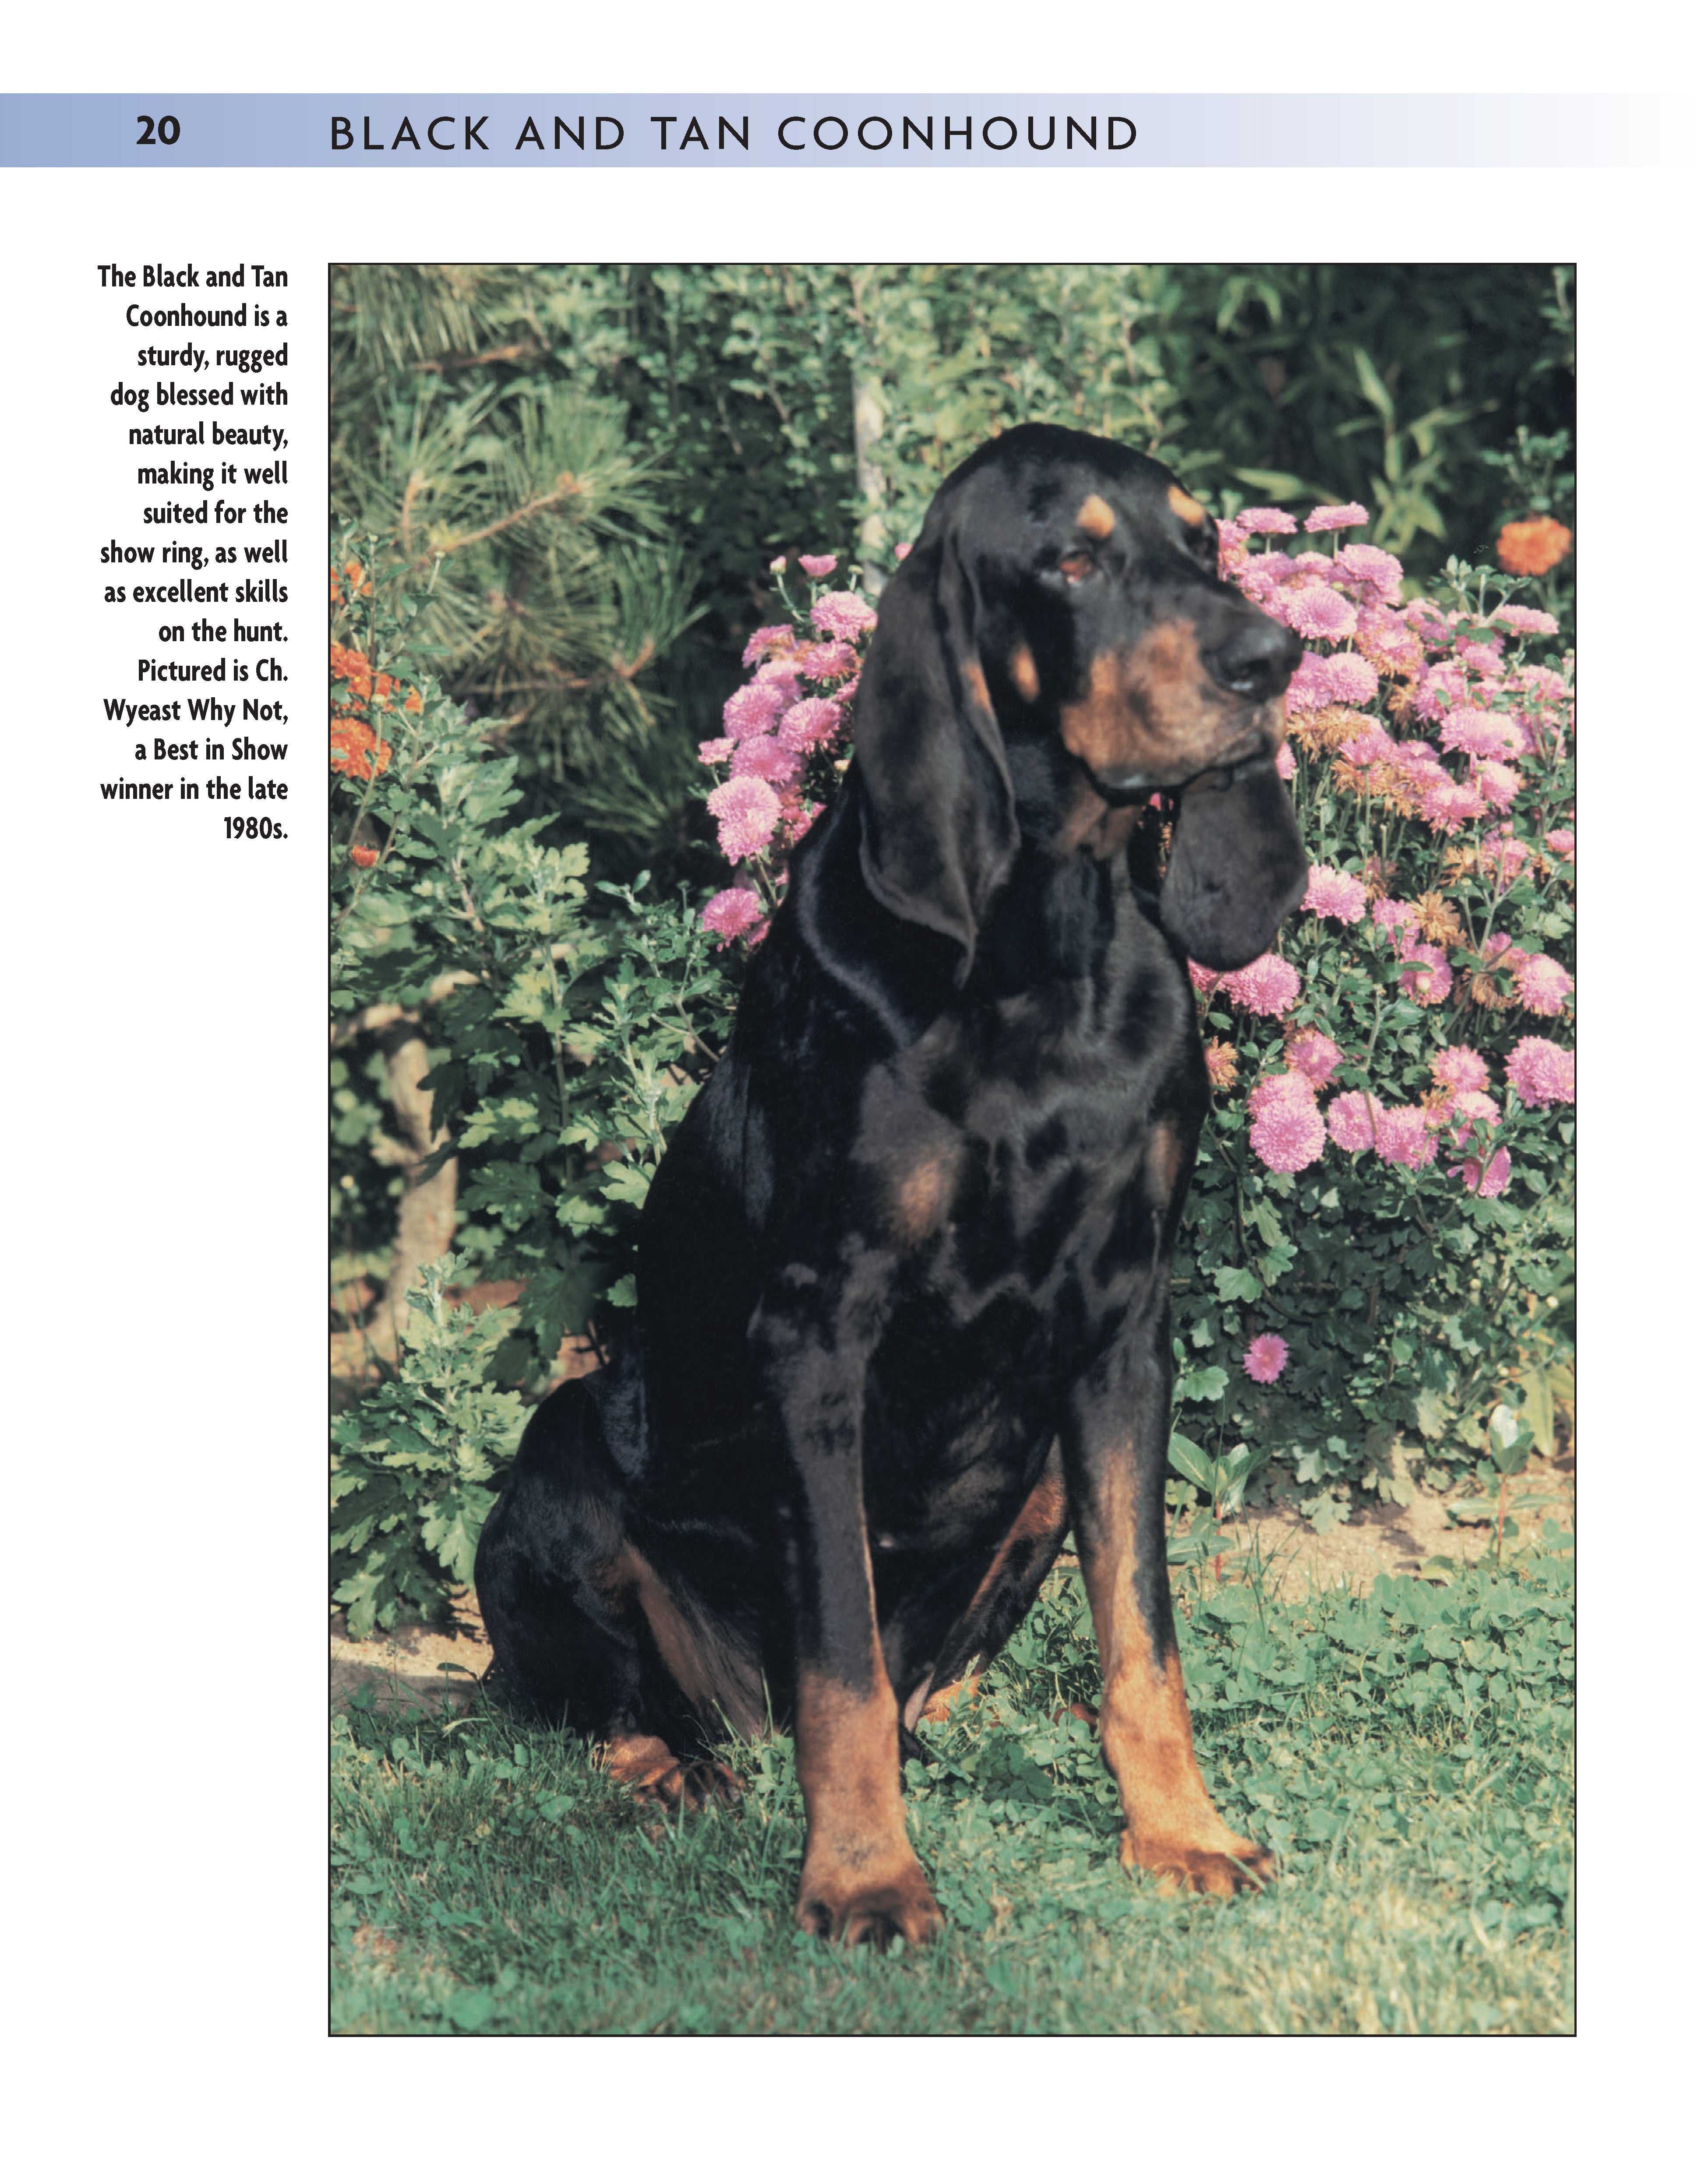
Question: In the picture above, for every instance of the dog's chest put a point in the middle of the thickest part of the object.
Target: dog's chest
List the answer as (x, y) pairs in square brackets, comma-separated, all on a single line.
[(1032, 1142)]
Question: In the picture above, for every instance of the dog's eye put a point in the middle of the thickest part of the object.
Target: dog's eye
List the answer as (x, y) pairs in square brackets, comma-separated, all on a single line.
[(1077, 566)]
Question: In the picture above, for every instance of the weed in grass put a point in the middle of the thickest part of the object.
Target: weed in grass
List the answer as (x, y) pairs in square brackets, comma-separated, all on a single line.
[(1407, 1754)]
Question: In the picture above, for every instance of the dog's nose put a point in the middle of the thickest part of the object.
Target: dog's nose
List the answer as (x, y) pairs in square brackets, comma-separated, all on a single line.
[(1256, 658)]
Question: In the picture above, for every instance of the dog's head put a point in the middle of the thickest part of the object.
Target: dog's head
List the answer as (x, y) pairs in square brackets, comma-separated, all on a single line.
[(1064, 585)]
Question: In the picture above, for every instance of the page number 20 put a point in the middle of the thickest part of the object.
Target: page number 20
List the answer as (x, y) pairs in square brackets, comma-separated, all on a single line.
[(163, 131)]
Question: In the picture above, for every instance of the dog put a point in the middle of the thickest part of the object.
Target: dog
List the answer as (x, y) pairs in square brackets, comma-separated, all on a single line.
[(902, 1279)]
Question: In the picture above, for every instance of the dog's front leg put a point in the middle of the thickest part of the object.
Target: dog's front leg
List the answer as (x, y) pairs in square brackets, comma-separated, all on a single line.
[(861, 1880), (1116, 1447)]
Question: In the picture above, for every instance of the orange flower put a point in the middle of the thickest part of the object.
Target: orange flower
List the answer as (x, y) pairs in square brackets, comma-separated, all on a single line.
[(362, 855), (412, 702), (1532, 545), (352, 573), (1221, 1062), (353, 742), (337, 595)]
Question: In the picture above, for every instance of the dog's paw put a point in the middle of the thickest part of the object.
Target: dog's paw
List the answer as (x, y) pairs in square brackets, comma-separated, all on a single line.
[(843, 1909), (657, 1778), (1217, 1867)]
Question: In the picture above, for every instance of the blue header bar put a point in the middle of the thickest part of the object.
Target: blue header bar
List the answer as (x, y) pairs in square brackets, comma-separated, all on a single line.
[(353, 131)]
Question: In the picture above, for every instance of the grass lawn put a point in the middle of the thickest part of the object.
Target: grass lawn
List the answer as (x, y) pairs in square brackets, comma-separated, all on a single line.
[(1407, 1754)]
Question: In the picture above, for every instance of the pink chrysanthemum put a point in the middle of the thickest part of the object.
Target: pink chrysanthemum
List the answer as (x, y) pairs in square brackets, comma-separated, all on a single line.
[(844, 616), (1286, 765), (798, 816), (768, 758), (715, 750), (746, 809), (1376, 571), (1363, 748), (817, 568), (902, 551), (1265, 1359), (1314, 1056), (1543, 985), (824, 660), (1263, 578), (770, 640), (1482, 657), (1395, 916), (1447, 806), (1286, 1089), (1426, 977), (1425, 619), (1268, 987), (1468, 1109), (1460, 1069), (1498, 784), (1388, 640), (1495, 1175), (1287, 1133), (753, 708), (1317, 611), (1404, 1137), (1311, 685), (1564, 841), (1441, 687), (731, 912), (1476, 731), (1331, 894), (1350, 1123), (1201, 976), (809, 723), (1505, 857), (1539, 682), (1540, 1072), (1524, 619), (1327, 516), (1350, 678), (1265, 519)]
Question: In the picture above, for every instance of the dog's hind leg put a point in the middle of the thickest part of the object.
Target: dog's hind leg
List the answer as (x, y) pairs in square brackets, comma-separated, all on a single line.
[(548, 1575), (581, 1628)]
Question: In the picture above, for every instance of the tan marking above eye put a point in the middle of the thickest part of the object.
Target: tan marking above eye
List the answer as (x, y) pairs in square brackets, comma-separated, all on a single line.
[(1184, 506), (1024, 672), (1095, 518)]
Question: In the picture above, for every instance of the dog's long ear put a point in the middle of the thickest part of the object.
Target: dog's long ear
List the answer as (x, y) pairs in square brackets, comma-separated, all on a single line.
[(1236, 866), (938, 831)]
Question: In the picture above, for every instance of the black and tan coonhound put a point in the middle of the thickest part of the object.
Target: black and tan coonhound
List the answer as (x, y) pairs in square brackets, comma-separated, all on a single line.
[(903, 1314)]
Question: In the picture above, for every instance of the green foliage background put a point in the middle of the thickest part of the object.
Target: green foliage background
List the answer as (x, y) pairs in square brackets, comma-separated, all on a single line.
[(705, 415)]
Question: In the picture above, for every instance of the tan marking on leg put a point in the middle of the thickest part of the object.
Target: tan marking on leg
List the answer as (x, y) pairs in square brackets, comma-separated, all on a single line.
[(706, 1670), (1095, 518), (1173, 1831), (1025, 672), (860, 1881), (1184, 506)]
